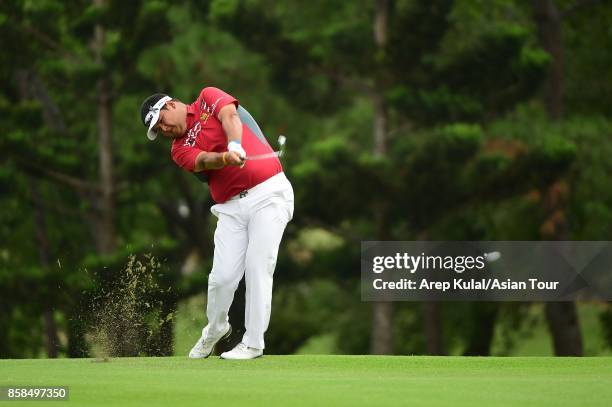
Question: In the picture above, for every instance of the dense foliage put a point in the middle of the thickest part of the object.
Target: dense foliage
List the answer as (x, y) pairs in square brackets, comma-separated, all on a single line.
[(469, 151)]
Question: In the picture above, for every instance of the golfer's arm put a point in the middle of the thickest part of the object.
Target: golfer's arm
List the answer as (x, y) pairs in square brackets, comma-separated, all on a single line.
[(208, 161), (230, 121)]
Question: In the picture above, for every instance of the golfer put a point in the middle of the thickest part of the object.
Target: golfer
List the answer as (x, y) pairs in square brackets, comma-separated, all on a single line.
[(212, 137)]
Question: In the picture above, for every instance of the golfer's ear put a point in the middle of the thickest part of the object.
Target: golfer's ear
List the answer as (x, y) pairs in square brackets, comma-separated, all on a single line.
[(170, 104)]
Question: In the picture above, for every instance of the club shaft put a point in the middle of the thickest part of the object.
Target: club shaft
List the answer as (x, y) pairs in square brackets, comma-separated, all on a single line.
[(264, 156)]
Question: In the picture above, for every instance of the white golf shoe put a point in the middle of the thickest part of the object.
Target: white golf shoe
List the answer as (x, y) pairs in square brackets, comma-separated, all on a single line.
[(206, 344), (241, 352)]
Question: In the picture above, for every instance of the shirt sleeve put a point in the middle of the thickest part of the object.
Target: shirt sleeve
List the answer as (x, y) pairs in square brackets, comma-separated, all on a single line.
[(214, 99), (184, 156)]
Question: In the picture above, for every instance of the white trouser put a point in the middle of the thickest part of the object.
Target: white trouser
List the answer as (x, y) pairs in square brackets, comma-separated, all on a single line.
[(248, 234)]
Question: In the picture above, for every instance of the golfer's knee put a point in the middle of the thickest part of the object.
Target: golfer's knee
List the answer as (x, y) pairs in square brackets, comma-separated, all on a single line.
[(262, 262), (222, 280)]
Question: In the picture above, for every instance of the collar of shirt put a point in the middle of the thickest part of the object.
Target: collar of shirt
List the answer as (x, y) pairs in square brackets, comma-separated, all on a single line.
[(192, 115)]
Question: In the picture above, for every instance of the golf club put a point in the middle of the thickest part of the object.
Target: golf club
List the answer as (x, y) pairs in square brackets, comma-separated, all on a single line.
[(281, 142)]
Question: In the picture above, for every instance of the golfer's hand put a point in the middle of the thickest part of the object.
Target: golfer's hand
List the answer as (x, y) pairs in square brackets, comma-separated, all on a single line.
[(235, 146), (233, 158)]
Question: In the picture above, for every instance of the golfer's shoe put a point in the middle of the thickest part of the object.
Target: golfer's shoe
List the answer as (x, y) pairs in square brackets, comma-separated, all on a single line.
[(206, 344), (241, 352)]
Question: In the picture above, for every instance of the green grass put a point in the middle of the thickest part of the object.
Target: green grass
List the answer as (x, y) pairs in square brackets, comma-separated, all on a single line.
[(321, 380)]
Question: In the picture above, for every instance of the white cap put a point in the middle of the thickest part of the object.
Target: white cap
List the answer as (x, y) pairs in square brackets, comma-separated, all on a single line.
[(153, 116)]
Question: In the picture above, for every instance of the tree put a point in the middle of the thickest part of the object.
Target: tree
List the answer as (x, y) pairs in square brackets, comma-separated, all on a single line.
[(562, 317), (56, 51), (411, 75)]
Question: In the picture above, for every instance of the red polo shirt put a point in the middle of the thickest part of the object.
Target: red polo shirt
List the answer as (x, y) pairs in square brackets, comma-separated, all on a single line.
[(205, 133)]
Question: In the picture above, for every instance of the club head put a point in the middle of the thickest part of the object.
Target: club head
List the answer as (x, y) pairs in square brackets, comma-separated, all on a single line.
[(281, 142)]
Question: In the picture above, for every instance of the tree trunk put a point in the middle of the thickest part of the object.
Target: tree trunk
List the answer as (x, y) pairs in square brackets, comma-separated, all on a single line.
[(382, 328), (381, 116), (105, 217), (30, 87), (382, 312), (432, 320), (562, 318), (380, 124), (77, 345), (481, 337), (564, 327), (42, 239), (548, 21)]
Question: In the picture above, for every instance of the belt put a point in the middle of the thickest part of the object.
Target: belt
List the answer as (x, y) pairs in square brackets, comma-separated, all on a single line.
[(243, 194), (240, 195)]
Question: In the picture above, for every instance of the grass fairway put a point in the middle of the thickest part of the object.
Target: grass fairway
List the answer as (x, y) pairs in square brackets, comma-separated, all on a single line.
[(321, 380)]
